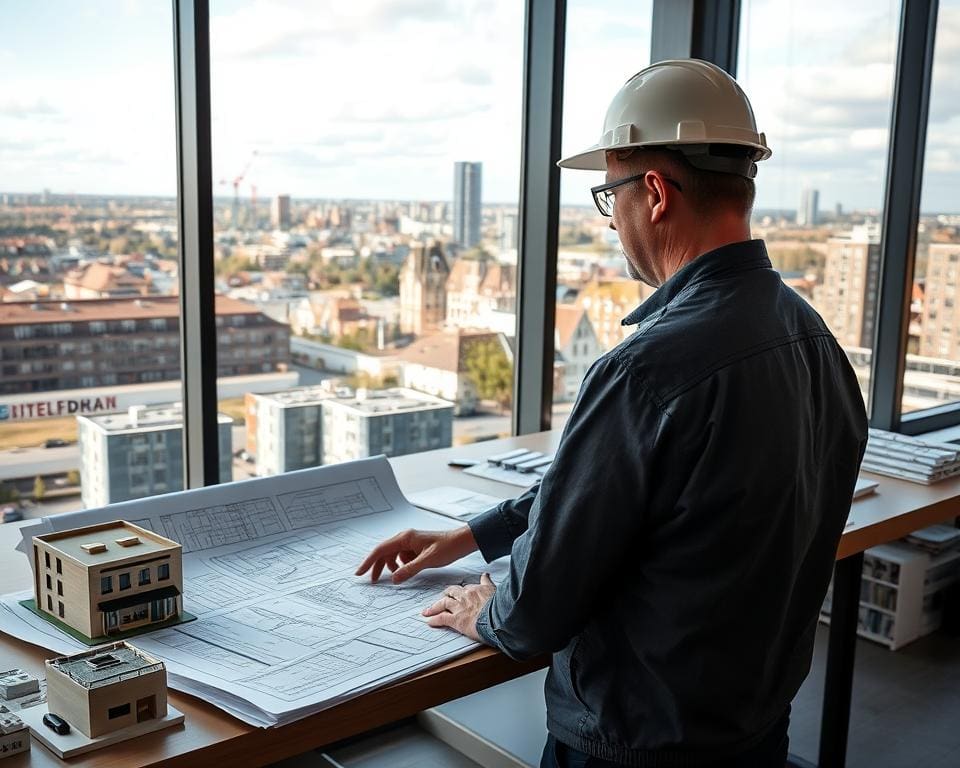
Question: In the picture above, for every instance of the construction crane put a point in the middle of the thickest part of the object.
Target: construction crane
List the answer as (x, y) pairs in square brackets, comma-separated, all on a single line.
[(235, 214)]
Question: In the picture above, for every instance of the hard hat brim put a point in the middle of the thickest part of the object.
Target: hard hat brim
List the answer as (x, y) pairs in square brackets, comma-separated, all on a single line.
[(592, 159)]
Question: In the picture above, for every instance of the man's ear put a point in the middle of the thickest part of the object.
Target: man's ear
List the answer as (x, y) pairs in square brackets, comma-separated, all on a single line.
[(658, 195)]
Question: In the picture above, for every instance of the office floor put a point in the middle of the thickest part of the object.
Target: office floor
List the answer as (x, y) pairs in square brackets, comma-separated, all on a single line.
[(906, 710)]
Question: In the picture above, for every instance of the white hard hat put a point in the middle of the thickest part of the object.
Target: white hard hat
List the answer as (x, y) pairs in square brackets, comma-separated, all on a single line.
[(688, 105)]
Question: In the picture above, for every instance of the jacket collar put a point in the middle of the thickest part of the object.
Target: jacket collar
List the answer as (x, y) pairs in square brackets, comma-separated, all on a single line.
[(723, 261)]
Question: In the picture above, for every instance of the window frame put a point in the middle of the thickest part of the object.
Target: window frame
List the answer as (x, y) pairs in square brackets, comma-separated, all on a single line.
[(708, 30)]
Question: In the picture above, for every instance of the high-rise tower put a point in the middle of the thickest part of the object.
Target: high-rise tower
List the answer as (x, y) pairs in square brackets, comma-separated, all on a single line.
[(467, 187)]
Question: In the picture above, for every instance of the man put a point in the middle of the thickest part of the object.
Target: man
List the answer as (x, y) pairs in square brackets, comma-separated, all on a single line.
[(675, 556)]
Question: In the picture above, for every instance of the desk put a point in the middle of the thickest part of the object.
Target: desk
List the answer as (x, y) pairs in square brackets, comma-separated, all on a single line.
[(211, 736)]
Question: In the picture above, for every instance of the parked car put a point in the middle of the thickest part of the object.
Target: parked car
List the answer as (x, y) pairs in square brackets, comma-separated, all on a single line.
[(55, 442), (11, 514)]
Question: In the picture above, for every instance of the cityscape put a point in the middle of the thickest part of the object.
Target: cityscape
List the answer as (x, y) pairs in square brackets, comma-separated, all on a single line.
[(349, 328)]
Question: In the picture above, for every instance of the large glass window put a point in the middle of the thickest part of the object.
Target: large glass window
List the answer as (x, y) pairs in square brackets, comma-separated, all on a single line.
[(822, 92), (606, 43), (88, 251), (932, 375), (367, 155)]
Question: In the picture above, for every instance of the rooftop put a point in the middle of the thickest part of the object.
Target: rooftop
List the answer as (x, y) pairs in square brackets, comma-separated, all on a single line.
[(291, 398), (445, 350), (142, 418), (77, 542), (393, 400), (106, 277), (568, 318), (132, 308), (363, 401), (107, 664)]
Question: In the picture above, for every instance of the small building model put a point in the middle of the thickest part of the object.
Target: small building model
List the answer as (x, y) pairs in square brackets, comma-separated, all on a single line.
[(15, 683), (106, 689), (14, 733), (107, 578)]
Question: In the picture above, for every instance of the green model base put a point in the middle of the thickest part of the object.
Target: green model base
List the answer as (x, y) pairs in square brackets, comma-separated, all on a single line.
[(126, 634)]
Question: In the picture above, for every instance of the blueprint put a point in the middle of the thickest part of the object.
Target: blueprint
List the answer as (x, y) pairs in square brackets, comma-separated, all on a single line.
[(284, 628)]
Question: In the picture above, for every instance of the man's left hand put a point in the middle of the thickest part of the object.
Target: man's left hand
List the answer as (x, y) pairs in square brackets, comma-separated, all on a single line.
[(460, 606)]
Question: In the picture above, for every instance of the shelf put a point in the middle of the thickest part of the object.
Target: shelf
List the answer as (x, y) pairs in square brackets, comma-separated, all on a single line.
[(891, 584), (872, 607), (865, 634)]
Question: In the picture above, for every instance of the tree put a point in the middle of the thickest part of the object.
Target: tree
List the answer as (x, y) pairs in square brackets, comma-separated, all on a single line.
[(73, 477), (490, 371), (39, 489), (8, 493)]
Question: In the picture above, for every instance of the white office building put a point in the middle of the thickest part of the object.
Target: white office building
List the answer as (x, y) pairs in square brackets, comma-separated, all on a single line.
[(138, 453), (311, 426)]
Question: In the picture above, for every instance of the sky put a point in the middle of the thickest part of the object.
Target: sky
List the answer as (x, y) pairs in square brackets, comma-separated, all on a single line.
[(378, 98)]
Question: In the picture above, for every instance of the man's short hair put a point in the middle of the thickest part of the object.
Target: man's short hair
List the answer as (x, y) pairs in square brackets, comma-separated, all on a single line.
[(706, 190)]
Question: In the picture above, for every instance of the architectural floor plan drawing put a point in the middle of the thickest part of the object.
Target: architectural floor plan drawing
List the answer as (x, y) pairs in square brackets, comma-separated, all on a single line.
[(284, 628)]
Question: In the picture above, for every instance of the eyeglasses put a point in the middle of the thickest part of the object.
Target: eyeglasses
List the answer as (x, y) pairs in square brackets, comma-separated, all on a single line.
[(604, 195)]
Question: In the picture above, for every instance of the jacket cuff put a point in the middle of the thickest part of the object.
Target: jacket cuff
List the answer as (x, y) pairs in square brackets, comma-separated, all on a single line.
[(484, 630), (492, 533)]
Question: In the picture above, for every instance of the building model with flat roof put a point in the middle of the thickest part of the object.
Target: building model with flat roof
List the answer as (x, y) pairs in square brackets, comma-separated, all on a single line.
[(106, 689), (107, 578)]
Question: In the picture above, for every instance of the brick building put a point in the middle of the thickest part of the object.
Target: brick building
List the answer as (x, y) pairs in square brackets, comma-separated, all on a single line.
[(52, 345)]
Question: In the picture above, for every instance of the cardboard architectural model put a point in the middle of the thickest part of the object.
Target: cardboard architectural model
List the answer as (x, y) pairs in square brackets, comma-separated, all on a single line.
[(106, 689), (14, 733), (104, 579)]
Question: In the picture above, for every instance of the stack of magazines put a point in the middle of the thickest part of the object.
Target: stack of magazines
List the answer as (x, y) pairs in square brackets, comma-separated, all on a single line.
[(910, 458)]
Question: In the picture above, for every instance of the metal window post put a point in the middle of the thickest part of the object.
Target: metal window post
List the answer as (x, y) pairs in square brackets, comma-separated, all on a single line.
[(901, 208), (699, 29), (539, 214), (198, 339)]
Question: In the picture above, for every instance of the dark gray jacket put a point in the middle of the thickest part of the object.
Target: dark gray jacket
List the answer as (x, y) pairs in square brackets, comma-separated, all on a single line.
[(675, 556)]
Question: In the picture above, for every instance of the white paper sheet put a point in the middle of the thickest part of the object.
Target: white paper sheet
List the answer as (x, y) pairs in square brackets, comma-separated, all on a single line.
[(458, 503), (503, 475), (285, 629)]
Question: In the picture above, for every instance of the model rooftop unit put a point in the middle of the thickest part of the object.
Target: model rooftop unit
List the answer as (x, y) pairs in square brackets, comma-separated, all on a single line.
[(107, 578), (106, 689)]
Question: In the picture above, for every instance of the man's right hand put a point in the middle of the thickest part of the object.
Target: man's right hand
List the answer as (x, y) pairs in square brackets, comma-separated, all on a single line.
[(410, 552)]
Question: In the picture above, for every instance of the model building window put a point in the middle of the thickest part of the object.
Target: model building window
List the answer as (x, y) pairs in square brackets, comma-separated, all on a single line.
[(124, 580), (60, 588), (106, 584), (49, 603), (163, 571), (46, 559), (49, 583), (59, 566), (144, 576), (118, 711), (60, 609)]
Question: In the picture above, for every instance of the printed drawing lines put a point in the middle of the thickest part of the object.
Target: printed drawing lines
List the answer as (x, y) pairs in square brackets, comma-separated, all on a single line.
[(290, 560), (214, 526), (331, 503)]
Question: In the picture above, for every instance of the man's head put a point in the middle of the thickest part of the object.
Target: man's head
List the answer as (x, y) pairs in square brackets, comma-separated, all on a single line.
[(668, 205), (684, 134)]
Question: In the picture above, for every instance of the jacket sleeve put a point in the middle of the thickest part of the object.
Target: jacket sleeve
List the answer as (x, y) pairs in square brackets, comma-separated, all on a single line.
[(586, 519), (496, 529)]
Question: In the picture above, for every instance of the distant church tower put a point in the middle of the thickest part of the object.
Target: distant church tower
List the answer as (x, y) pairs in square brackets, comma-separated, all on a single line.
[(423, 297)]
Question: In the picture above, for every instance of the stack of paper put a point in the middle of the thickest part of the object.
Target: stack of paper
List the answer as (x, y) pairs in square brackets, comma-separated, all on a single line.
[(517, 467), (284, 628), (910, 458), (936, 538)]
